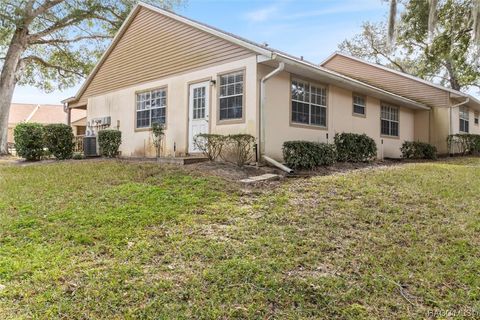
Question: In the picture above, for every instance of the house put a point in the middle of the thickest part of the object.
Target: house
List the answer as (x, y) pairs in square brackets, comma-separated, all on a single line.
[(450, 112), (193, 78), (44, 114)]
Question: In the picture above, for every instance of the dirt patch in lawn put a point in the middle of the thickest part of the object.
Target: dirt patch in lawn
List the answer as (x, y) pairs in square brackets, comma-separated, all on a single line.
[(8, 159), (230, 171)]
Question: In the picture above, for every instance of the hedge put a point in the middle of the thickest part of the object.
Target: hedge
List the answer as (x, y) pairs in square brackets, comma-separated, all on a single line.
[(210, 144), (352, 147), (418, 150), (58, 140), (308, 155), (464, 143), (29, 141), (109, 142), (240, 147)]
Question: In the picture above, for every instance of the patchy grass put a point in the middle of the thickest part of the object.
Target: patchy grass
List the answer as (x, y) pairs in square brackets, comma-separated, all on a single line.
[(123, 240)]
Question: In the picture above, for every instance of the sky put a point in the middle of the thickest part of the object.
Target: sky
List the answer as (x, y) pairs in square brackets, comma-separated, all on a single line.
[(309, 28)]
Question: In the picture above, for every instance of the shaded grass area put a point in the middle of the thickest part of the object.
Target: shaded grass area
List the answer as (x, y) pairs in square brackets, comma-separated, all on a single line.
[(124, 240)]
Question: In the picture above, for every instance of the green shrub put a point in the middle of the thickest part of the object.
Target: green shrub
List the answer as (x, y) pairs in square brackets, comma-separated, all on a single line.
[(210, 144), (59, 140), (29, 141), (158, 132), (352, 147), (241, 147), (308, 155), (418, 150), (109, 142), (464, 143)]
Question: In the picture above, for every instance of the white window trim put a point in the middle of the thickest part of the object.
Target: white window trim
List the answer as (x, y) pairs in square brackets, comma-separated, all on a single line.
[(310, 84), (462, 110), (390, 120), (220, 97), (150, 108), (364, 106)]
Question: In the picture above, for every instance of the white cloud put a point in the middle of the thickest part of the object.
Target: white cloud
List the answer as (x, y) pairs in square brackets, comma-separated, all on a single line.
[(261, 15), (345, 7), (279, 11)]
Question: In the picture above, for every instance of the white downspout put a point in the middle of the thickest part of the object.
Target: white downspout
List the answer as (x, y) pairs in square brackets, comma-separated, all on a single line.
[(450, 128), (261, 142)]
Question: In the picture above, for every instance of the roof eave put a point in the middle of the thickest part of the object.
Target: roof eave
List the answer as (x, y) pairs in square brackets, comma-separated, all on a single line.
[(102, 59)]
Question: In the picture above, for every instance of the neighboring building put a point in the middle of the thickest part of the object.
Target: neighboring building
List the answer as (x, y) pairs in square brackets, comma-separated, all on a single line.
[(44, 114), (450, 111), (162, 67)]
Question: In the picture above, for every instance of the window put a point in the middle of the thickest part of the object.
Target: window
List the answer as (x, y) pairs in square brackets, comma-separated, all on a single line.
[(151, 107), (389, 121), (199, 103), (464, 120), (359, 105), (309, 104), (231, 96), (475, 119)]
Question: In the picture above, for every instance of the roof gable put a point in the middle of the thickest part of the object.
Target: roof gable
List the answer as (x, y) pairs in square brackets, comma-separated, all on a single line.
[(154, 43)]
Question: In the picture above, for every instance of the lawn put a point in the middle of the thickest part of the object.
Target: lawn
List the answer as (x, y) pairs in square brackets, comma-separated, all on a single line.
[(116, 240)]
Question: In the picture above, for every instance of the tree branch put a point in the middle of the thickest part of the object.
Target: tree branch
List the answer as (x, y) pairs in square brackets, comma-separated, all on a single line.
[(68, 21), (48, 4), (379, 52), (61, 70), (73, 40)]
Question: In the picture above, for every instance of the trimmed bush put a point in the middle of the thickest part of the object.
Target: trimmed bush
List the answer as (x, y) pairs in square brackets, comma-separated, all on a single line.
[(241, 147), (308, 155), (464, 143), (29, 141), (109, 142), (58, 140), (210, 144), (418, 150), (352, 147)]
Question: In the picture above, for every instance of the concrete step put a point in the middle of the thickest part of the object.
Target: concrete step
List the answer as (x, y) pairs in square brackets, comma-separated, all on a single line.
[(261, 178), (182, 160)]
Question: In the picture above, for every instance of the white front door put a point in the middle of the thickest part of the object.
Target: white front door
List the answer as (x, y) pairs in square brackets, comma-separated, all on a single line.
[(198, 107)]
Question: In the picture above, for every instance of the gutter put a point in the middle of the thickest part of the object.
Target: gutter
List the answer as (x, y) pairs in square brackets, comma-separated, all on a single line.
[(261, 140)]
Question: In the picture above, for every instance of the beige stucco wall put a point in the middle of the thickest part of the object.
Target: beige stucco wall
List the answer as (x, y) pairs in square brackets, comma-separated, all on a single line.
[(422, 126), (120, 105), (340, 119)]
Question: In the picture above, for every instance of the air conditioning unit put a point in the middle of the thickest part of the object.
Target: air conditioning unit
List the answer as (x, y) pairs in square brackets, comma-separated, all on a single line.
[(90, 146), (100, 121)]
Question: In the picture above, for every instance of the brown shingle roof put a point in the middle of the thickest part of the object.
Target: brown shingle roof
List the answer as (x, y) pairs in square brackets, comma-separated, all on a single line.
[(44, 113)]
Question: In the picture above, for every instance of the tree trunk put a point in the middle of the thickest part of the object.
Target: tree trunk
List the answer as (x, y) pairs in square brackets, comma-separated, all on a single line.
[(8, 79), (452, 77)]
